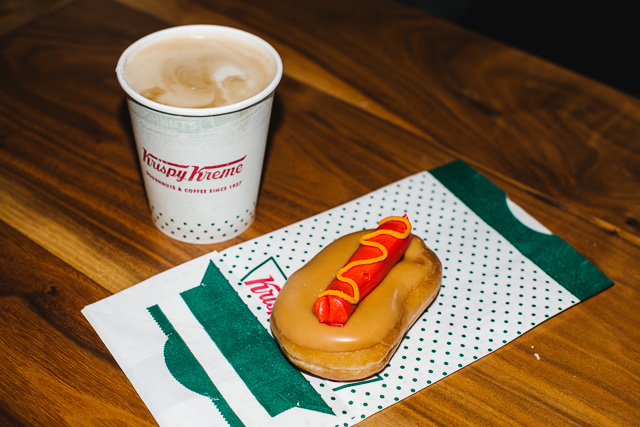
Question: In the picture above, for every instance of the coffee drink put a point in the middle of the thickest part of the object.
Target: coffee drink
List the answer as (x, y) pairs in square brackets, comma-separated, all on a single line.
[(200, 99), (199, 71)]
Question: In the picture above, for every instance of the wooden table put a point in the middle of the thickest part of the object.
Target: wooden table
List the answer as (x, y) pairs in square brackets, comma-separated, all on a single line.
[(373, 92)]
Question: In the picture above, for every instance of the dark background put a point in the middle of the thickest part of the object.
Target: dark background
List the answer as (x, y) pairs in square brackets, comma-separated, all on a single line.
[(596, 39)]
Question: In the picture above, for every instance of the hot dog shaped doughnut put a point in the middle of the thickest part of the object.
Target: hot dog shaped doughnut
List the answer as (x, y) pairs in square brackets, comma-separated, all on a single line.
[(364, 345)]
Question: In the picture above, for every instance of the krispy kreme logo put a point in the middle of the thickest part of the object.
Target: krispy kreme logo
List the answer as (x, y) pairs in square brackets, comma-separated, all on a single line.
[(265, 281), (192, 173), (266, 290)]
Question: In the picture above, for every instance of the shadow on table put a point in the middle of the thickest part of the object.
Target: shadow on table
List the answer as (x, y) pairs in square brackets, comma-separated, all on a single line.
[(595, 39)]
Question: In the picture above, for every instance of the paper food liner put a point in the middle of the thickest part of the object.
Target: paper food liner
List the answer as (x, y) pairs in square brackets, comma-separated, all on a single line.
[(195, 340)]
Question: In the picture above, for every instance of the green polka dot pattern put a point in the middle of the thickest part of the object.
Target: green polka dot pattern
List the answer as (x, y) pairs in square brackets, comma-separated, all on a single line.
[(490, 295), (203, 232)]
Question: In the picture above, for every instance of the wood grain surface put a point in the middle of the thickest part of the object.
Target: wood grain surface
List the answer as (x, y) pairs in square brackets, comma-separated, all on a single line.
[(373, 92)]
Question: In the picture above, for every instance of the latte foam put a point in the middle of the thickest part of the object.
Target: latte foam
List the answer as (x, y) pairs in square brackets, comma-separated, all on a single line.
[(199, 71)]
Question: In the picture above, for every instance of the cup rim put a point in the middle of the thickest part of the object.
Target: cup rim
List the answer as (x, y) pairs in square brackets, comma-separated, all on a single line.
[(199, 29)]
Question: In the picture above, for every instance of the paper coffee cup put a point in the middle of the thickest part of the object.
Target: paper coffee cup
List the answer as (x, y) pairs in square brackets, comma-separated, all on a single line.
[(201, 166)]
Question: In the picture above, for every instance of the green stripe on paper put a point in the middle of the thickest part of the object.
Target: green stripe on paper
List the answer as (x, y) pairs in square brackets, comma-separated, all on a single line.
[(549, 252), (249, 348), (186, 369)]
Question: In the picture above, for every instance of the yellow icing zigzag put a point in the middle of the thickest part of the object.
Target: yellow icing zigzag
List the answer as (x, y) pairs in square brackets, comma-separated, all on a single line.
[(364, 240)]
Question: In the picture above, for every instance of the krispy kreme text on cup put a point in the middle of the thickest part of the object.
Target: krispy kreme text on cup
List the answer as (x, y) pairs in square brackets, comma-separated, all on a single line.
[(200, 99)]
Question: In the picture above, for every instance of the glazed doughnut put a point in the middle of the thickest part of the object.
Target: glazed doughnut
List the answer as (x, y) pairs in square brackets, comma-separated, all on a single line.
[(364, 345)]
